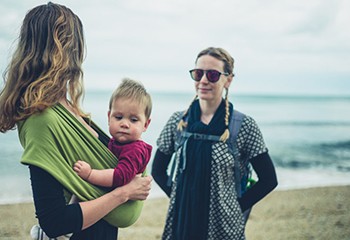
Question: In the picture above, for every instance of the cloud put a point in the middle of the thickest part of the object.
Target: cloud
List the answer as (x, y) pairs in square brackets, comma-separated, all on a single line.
[(157, 41)]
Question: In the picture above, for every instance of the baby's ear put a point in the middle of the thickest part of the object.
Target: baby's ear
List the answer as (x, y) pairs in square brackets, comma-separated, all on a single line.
[(147, 124), (109, 115)]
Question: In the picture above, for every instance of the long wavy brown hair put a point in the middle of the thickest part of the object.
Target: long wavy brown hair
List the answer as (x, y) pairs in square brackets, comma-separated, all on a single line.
[(46, 65)]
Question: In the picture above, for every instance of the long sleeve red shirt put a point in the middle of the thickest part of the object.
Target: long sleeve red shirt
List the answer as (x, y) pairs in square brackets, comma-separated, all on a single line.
[(132, 159)]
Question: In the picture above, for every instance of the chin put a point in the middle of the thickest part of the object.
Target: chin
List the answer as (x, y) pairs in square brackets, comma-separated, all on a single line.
[(204, 96), (122, 140)]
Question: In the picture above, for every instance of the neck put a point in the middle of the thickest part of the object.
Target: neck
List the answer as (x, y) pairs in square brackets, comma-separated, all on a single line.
[(65, 103), (208, 109)]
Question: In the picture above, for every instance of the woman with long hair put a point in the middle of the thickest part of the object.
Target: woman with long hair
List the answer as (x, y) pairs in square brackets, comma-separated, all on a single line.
[(41, 97)]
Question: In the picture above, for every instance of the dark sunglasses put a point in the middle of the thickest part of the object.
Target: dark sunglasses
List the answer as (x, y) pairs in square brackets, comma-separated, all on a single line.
[(212, 75)]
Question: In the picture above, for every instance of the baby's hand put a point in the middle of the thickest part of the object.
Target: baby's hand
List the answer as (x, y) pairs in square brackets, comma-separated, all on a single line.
[(83, 169)]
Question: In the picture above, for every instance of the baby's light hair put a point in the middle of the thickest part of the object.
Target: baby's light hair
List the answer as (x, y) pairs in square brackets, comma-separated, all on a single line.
[(135, 91)]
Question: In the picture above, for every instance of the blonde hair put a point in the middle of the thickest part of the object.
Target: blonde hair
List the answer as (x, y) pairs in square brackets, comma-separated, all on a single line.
[(135, 91), (46, 65), (223, 55)]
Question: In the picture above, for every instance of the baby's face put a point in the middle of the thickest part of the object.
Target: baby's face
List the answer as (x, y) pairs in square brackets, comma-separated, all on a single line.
[(127, 120)]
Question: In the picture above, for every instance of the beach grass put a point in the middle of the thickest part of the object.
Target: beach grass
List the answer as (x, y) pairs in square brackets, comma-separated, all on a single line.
[(314, 213)]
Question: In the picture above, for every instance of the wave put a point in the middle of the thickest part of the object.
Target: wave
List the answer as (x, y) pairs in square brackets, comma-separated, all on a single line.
[(308, 123), (335, 155), (291, 98)]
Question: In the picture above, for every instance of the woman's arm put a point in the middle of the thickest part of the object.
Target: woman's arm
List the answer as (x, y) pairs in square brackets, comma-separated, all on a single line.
[(56, 218), (166, 148), (94, 210), (265, 170), (159, 168)]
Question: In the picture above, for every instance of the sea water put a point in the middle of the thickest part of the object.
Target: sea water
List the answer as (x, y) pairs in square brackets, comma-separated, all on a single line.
[(308, 138)]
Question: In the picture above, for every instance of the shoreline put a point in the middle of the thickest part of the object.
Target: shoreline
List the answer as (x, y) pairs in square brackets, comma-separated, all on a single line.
[(308, 213), (18, 190)]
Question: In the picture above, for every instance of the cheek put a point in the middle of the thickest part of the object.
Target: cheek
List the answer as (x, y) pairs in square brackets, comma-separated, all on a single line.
[(196, 84), (140, 129), (113, 124), (222, 84)]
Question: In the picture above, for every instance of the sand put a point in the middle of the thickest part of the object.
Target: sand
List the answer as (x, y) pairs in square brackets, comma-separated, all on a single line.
[(315, 213)]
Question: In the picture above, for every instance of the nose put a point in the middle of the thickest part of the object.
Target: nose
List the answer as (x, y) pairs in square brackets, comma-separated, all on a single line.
[(124, 123), (204, 78)]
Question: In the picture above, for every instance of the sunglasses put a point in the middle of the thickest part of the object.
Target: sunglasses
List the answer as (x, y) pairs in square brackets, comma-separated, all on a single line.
[(212, 75)]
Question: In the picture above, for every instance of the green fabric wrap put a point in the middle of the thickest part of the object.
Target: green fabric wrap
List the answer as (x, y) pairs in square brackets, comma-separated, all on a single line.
[(54, 140)]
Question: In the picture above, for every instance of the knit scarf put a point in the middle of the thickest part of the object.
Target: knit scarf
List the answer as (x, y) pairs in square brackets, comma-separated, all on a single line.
[(191, 209)]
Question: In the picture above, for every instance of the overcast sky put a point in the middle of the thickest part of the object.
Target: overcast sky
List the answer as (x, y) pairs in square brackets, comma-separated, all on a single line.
[(279, 47)]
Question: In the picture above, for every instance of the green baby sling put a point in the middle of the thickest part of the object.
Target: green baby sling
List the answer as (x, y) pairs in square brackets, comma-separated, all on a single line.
[(54, 140)]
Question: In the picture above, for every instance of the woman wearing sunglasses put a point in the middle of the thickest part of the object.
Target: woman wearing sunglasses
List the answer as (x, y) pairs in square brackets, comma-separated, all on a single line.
[(203, 201)]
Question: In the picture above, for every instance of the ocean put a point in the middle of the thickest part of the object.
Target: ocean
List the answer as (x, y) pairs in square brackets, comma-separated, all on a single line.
[(308, 138)]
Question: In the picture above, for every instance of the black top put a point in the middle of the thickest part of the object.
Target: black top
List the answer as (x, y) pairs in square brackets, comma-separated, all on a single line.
[(262, 165), (56, 218)]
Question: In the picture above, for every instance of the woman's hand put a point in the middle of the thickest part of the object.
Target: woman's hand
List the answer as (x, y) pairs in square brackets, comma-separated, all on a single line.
[(94, 210), (138, 189)]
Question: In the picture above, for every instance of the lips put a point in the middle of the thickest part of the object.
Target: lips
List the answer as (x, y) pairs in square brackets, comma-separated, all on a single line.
[(123, 133), (204, 89)]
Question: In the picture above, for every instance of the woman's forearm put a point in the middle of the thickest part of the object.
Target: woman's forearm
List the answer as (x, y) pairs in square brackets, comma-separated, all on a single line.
[(267, 181), (94, 210), (159, 171)]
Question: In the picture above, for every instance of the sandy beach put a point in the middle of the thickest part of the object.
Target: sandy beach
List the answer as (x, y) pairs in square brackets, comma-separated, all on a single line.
[(314, 213)]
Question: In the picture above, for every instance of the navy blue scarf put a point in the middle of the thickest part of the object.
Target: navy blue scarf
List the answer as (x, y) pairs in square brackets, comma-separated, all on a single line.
[(191, 209)]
